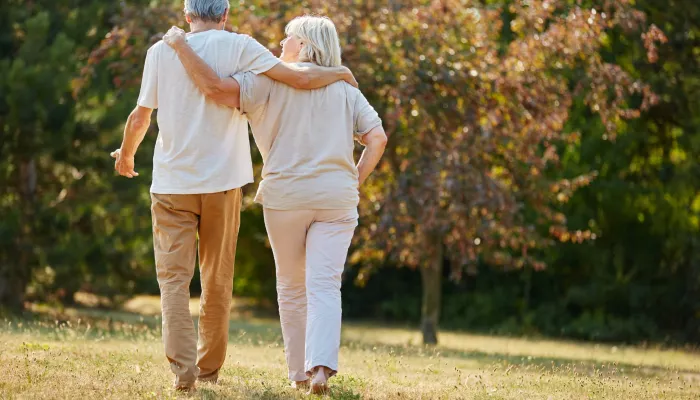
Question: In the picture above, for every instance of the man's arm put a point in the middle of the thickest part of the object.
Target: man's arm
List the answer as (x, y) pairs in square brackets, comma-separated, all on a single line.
[(136, 127), (375, 142), (311, 77)]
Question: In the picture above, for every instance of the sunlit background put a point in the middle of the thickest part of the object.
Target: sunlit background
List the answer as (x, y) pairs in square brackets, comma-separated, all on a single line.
[(542, 180)]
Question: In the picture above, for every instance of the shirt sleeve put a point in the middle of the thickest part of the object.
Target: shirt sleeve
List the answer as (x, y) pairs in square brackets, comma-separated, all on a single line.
[(255, 91), (255, 57), (366, 118), (148, 97)]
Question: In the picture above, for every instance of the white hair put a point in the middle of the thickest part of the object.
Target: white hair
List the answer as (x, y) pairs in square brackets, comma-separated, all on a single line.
[(321, 43), (206, 10)]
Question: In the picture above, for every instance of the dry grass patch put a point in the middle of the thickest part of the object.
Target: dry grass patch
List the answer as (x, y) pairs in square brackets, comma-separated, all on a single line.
[(93, 354)]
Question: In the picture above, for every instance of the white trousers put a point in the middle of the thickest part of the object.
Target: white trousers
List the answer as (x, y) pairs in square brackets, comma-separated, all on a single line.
[(310, 249)]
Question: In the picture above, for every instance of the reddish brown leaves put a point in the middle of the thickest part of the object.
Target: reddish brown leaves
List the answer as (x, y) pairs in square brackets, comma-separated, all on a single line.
[(476, 123)]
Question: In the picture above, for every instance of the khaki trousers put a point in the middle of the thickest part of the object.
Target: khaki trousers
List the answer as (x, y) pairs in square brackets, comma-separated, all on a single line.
[(178, 221), (310, 248)]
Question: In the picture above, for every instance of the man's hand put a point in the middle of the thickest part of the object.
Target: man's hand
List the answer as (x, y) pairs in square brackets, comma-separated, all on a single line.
[(123, 165), (175, 37), (350, 78)]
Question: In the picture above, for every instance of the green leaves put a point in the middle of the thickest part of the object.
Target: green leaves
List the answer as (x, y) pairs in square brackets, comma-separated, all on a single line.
[(50, 153), (501, 116)]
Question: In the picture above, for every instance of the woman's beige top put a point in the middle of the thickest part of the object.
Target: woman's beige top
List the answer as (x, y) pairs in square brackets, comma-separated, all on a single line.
[(306, 141)]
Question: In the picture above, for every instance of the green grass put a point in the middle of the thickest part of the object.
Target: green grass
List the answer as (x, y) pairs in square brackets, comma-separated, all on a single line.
[(93, 354)]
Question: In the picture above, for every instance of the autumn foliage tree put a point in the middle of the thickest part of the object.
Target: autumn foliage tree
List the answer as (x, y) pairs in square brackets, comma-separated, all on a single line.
[(475, 97), (478, 113)]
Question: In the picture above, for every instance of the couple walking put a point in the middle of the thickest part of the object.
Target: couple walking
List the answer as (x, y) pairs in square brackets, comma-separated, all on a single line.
[(304, 112)]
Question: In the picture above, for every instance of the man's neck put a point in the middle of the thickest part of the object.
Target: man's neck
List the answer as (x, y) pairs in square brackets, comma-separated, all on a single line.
[(196, 27)]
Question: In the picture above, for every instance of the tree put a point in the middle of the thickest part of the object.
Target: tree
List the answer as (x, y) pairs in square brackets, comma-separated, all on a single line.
[(476, 122), (63, 227), (477, 112), (642, 276)]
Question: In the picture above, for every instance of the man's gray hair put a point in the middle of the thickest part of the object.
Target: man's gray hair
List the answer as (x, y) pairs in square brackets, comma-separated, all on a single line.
[(206, 10)]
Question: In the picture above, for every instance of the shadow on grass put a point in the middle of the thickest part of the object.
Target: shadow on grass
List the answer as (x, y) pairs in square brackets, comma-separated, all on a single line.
[(251, 393), (101, 324), (266, 393), (544, 364), (257, 384)]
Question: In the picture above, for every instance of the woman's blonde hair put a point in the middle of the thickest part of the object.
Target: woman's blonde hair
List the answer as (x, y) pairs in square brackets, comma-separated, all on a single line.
[(321, 43)]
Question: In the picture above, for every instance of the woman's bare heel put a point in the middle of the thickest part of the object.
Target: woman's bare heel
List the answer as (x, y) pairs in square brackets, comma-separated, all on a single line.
[(319, 381)]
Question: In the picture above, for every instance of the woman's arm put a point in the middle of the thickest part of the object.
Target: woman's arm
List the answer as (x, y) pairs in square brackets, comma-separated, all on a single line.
[(226, 91), (375, 142)]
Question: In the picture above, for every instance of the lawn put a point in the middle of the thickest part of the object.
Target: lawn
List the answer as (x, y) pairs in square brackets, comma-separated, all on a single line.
[(84, 353)]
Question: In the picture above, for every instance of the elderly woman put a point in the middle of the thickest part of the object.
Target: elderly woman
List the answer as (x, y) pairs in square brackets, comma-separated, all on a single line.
[(309, 190)]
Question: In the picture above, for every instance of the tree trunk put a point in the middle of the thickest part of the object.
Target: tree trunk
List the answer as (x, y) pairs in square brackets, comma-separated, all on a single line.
[(431, 274), (692, 327), (15, 271), (12, 288), (527, 290)]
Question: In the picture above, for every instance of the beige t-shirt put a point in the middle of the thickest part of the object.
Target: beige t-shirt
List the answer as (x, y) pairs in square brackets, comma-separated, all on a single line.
[(201, 147), (306, 141)]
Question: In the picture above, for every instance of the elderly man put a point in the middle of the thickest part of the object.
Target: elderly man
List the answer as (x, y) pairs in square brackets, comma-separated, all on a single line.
[(201, 161)]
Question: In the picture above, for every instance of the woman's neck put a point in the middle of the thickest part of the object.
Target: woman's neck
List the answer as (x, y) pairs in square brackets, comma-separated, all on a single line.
[(290, 59)]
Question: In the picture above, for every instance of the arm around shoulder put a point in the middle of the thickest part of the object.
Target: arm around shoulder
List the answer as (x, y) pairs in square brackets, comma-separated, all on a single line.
[(223, 91), (309, 77)]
